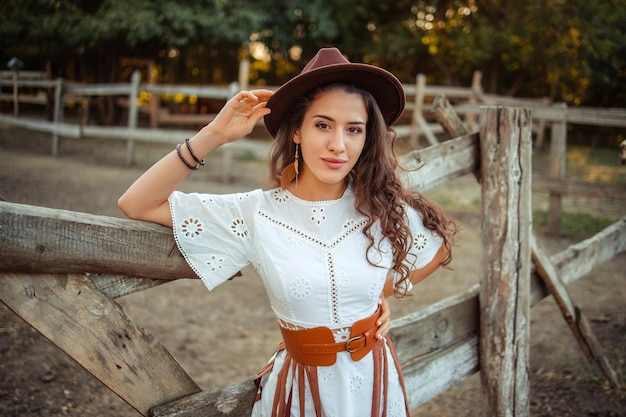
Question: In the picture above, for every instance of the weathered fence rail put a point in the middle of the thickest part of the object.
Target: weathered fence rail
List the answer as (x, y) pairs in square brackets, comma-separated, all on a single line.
[(466, 101), (545, 115), (56, 265)]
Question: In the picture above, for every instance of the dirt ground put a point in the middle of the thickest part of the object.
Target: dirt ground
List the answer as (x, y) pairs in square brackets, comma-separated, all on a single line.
[(211, 333)]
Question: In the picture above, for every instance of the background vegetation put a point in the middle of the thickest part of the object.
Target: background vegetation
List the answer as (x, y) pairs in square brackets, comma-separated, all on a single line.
[(572, 51)]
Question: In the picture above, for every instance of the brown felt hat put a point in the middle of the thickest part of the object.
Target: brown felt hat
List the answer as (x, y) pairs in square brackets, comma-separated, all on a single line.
[(330, 66)]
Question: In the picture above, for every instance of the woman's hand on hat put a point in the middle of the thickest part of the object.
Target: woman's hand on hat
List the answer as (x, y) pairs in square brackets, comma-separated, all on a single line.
[(239, 116)]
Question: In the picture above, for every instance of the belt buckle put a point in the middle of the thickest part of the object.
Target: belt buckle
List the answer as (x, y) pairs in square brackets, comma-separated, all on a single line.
[(354, 339)]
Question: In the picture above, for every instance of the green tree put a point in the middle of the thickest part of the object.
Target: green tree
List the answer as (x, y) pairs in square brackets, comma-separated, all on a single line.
[(566, 50), (365, 30), (573, 51), (85, 33)]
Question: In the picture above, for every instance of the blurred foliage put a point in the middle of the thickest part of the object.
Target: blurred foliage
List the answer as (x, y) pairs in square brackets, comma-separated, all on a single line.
[(566, 50), (578, 224), (595, 164)]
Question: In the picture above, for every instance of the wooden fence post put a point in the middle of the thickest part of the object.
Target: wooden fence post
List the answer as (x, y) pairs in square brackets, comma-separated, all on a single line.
[(132, 115), (505, 147), (420, 84), (470, 117), (155, 99), (417, 116), (16, 105), (58, 115), (244, 73), (558, 148)]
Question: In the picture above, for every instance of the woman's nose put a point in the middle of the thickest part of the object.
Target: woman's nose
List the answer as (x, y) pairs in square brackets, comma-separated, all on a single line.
[(337, 142)]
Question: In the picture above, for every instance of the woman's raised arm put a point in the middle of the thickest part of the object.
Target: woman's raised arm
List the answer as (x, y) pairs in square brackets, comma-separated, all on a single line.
[(147, 198)]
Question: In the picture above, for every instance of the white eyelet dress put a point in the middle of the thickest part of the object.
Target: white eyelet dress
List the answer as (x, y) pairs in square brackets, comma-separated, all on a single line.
[(311, 256)]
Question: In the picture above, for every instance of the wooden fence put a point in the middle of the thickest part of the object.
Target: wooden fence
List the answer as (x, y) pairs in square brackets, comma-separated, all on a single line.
[(466, 101), (60, 271)]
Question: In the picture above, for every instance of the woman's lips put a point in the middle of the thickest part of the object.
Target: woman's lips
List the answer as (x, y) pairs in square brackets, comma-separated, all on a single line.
[(333, 163)]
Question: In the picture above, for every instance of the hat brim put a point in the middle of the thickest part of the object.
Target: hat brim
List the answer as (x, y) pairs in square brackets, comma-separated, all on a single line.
[(384, 86)]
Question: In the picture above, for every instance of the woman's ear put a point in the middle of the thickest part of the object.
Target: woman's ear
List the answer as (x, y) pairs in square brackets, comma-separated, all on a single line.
[(296, 137)]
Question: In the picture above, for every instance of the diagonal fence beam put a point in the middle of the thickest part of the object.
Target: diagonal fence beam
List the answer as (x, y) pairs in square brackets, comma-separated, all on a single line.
[(92, 329)]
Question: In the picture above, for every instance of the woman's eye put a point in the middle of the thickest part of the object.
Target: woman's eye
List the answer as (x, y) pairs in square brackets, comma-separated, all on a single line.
[(355, 130), (322, 125)]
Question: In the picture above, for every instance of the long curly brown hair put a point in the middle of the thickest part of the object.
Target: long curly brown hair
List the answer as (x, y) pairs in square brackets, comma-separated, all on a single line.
[(380, 195)]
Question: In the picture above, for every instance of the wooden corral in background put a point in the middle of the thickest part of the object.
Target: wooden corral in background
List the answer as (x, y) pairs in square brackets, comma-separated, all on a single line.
[(164, 127)]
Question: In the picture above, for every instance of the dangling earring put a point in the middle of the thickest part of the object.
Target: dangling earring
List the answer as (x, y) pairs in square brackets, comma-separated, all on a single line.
[(296, 159), (290, 172)]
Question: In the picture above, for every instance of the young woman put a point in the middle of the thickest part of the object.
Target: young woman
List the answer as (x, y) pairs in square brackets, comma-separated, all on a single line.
[(337, 234)]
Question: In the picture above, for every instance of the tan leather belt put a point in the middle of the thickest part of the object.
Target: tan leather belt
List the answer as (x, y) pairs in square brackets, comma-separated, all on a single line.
[(317, 346)]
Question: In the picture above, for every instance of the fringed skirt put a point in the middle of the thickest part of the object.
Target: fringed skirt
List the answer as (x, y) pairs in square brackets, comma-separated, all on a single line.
[(372, 386)]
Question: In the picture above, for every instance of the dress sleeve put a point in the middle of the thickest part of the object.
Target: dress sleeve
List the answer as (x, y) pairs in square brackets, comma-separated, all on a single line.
[(425, 243), (213, 233)]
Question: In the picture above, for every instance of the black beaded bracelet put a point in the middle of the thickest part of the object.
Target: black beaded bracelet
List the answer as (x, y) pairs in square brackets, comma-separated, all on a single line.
[(182, 158), (193, 155)]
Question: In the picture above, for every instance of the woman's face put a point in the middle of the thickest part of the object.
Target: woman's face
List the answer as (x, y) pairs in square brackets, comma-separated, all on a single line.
[(331, 138)]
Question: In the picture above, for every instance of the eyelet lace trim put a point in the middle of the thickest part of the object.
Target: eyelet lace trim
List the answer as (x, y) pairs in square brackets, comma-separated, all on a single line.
[(176, 225), (420, 242), (350, 229)]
